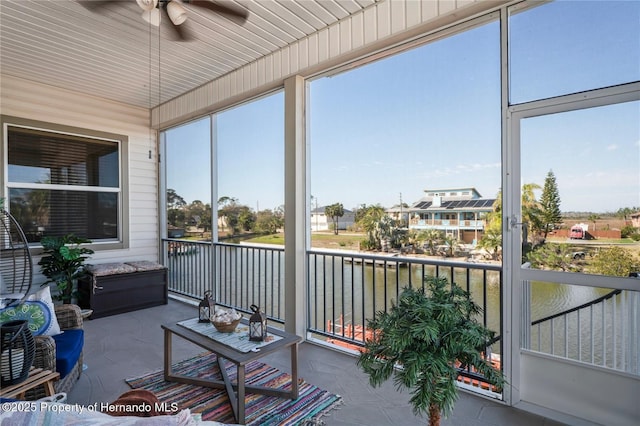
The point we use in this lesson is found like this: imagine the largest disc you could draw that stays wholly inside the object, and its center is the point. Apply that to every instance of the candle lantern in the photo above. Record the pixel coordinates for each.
(206, 308)
(18, 351)
(257, 325)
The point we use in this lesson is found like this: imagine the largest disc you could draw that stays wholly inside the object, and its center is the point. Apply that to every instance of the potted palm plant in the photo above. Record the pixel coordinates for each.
(62, 263)
(422, 340)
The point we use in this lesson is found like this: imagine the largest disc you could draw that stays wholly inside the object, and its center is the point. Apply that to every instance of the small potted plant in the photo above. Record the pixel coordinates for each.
(422, 340)
(62, 263)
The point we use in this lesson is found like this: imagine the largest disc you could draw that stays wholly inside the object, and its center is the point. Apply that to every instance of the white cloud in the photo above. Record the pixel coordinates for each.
(458, 169)
(612, 147)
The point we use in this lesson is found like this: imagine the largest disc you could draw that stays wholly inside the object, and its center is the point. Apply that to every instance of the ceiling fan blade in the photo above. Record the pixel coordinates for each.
(179, 32)
(231, 11)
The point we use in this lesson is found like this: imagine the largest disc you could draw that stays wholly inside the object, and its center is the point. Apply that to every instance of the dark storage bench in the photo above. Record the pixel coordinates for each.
(114, 288)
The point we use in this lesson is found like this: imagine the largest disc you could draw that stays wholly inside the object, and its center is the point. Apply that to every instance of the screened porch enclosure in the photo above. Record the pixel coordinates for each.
(210, 157)
(316, 154)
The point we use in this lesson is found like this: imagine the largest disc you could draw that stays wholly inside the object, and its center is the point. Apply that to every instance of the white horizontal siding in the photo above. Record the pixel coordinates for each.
(29, 100)
(382, 25)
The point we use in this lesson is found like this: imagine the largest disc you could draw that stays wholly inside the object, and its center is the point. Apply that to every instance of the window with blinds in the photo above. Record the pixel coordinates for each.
(63, 183)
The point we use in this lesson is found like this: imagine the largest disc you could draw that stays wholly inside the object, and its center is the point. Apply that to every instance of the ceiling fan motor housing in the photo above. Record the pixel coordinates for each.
(147, 4)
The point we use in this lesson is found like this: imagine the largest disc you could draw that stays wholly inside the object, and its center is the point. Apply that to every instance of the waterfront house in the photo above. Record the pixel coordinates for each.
(399, 213)
(90, 99)
(320, 222)
(459, 212)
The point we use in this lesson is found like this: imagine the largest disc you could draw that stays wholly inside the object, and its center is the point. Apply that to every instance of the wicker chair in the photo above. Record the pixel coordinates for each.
(69, 318)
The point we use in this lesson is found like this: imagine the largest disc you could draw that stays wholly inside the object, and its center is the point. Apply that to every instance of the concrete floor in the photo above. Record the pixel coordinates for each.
(127, 345)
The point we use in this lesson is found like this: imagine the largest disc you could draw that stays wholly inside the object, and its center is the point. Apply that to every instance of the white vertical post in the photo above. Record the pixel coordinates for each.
(295, 201)
(634, 329)
(213, 141)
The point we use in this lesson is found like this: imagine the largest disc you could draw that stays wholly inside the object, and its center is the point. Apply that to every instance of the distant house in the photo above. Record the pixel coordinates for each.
(400, 213)
(460, 212)
(320, 221)
(635, 220)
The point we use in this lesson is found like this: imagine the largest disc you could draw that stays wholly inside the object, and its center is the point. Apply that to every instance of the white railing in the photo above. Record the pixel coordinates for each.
(603, 332)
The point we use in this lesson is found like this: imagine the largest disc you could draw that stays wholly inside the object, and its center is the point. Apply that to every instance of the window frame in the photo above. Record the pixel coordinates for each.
(122, 239)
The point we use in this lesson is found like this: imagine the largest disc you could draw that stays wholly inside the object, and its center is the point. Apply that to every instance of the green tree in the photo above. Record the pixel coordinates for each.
(206, 217)
(531, 217)
(268, 222)
(556, 257)
(491, 240)
(227, 212)
(531, 210)
(368, 219)
(624, 212)
(452, 244)
(629, 231)
(615, 261)
(430, 238)
(246, 218)
(384, 229)
(174, 200)
(176, 215)
(196, 213)
(421, 339)
(236, 216)
(550, 204)
(335, 212)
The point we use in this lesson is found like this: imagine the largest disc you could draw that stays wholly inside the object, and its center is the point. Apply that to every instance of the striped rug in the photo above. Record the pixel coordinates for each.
(213, 404)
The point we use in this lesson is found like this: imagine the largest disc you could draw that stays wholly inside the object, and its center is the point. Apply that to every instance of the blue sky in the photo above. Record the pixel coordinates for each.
(430, 119)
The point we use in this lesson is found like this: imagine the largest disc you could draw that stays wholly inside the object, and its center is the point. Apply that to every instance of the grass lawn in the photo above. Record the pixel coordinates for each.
(318, 240)
(268, 239)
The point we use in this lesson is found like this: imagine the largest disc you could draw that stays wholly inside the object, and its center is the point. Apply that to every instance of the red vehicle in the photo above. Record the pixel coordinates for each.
(579, 231)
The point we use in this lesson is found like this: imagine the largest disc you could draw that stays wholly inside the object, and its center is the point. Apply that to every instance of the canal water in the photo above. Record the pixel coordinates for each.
(343, 291)
(381, 287)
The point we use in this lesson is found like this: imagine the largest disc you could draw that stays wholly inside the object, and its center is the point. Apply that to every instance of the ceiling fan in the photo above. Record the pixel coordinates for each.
(175, 10)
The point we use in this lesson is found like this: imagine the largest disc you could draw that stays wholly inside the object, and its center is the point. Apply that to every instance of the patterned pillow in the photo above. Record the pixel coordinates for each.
(38, 310)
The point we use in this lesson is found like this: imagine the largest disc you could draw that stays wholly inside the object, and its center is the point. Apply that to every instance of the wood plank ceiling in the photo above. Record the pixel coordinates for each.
(114, 54)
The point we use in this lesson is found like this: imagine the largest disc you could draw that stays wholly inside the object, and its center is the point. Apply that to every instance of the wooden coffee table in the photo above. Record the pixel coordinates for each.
(235, 391)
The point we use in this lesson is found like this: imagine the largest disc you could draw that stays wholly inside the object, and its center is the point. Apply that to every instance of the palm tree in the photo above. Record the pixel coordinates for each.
(431, 238)
(421, 340)
(492, 242)
(334, 211)
(452, 244)
(531, 210)
(368, 218)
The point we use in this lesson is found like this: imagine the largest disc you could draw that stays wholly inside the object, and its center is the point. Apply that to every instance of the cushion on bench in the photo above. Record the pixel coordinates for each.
(145, 265)
(68, 348)
(104, 269)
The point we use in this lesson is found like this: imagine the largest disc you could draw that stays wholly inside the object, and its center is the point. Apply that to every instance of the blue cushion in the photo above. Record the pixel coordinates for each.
(68, 349)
